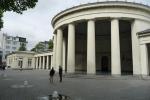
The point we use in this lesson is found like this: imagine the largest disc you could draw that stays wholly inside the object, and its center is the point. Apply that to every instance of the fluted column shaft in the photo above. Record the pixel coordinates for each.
(71, 49)
(43, 67)
(115, 48)
(59, 48)
(144, 59)
(40, 65)
(91, 67)
(47, 62)
(54, 50)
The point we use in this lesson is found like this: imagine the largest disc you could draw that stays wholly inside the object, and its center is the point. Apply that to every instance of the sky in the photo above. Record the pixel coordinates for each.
(35, 24)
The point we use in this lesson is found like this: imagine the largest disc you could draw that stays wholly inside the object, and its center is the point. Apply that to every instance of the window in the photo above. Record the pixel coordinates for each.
(29, 62)
(8, 37)
(7, 47)
(7, 52)
(14, 38)
(10, 60)
(8, 42)
(14, 43)
(14, 48)
(20, 62)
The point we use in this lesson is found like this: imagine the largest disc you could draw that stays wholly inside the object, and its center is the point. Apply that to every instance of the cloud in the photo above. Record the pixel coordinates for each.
(35, 24)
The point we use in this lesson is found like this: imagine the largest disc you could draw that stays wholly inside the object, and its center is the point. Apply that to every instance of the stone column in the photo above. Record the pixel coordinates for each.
(51, 61)
(54, 50)
(64, 54)
(25, 62)
(91, 66)
(136, 27)
(144, 60)
(36, 63)
(59, 48)
(43, 62)
(33, 62)
(47, 62)
(40, 63)
(115, 48)
(71, 49)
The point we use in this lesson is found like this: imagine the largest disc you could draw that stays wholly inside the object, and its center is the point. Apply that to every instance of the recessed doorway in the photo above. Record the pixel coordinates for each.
(104, 63)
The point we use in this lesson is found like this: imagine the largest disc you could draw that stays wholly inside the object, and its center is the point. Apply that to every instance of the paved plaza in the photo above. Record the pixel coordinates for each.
(34, 84)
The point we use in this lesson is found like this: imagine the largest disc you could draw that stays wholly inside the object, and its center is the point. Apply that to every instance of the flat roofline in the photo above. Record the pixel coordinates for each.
(144, 32)
(21, 52)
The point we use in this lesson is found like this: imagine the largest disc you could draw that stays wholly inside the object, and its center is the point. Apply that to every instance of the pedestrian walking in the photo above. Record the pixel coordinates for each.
(60, 73)
(51, 73)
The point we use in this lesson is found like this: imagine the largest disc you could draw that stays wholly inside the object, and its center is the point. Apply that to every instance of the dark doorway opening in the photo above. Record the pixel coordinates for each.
(103, 46)
(104, 63)
(20, 63)
(125, 47)
(81, 47)
(0, 60)
(148, 51)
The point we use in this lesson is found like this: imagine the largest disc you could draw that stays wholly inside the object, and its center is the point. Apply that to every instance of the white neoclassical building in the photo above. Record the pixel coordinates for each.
(44, 60)
(30, 60)
(21, 60)
(109, 36)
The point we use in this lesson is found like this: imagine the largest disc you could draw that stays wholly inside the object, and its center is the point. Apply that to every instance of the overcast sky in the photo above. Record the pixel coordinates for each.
(35, 24)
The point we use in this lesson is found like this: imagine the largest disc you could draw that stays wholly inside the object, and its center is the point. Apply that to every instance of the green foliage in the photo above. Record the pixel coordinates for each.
(17, 6)
(42, 46)
(33, 49)
(1, 21)
(22, 47)
(38, 48)
(50, 44)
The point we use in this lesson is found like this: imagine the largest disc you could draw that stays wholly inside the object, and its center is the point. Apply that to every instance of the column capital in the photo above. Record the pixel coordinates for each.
(115, 18)
(72, 23)
(59, 29)
(91, 20)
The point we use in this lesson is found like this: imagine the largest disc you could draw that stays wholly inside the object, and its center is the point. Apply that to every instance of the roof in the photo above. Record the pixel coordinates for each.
(99, 4)
(22, 52)
(144, 32)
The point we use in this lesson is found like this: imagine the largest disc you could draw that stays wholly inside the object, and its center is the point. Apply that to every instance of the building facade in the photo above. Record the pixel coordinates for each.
(29, 60)
(10, 44)
(102, 37)
(1, 56)
(21, 60)
(44, 60)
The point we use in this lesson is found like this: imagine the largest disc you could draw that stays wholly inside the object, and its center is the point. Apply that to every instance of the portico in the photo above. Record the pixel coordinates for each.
(144, 38)
(102, 42)
(43, 60)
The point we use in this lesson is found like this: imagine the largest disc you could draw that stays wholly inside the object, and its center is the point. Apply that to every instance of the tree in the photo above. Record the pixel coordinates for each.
(17, 6)
(1, 22)
(22, 47)
(38, 47)
(50, 44)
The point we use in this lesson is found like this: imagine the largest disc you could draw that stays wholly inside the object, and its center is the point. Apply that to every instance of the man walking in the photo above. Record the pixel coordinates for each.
(60, 73)
(52, 72)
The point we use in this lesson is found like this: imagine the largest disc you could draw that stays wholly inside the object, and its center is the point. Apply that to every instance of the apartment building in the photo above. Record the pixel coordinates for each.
(9, 44)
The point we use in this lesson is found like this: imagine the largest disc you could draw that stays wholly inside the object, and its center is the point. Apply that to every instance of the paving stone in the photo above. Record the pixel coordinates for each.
(75, 86)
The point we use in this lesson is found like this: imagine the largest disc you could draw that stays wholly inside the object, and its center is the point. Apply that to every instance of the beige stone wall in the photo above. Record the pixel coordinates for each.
(13, 60)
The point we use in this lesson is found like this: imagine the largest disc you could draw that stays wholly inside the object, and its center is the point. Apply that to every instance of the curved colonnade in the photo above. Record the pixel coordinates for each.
(100, 37)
